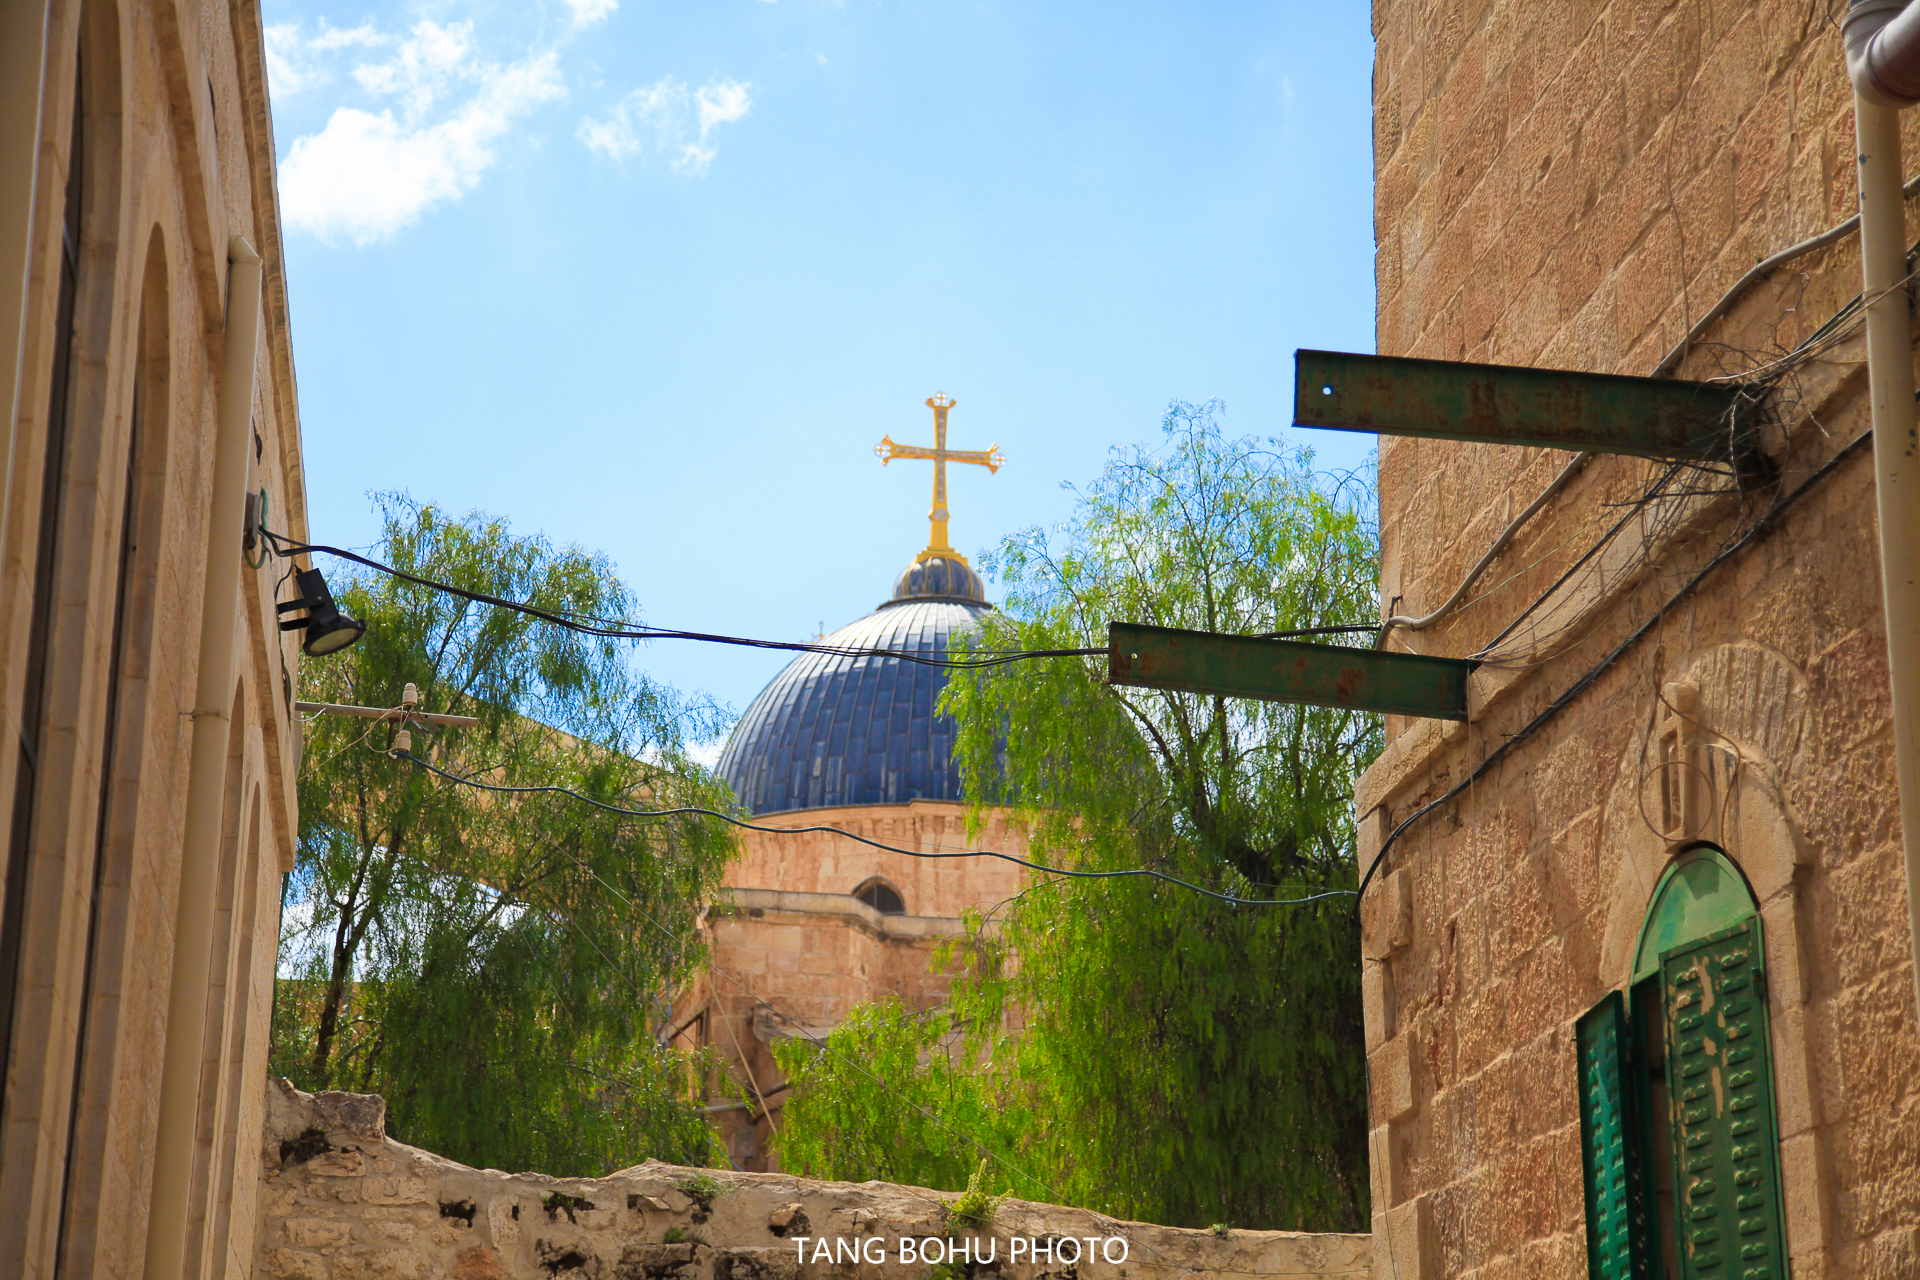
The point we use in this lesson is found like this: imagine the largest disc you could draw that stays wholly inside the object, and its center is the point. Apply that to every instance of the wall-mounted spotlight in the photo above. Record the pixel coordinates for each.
(328, 630)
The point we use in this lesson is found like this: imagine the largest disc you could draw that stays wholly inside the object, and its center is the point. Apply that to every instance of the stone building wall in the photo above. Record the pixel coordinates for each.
(820, 862)
(175, 157)
(341, 1201)
(792, 950)
(1571, 185)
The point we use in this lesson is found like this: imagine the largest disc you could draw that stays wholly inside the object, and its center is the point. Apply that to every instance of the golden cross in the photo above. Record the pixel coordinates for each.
(940, 455)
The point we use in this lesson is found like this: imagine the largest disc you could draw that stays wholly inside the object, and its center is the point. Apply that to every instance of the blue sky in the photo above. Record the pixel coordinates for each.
(655, 278)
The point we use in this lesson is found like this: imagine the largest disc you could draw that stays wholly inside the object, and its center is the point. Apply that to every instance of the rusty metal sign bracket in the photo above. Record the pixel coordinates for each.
(1510, 404)
(1320, 675)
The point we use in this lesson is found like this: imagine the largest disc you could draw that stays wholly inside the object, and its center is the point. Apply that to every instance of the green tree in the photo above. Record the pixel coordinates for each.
(498, 967)
(895, 1095)
(1183, 1060)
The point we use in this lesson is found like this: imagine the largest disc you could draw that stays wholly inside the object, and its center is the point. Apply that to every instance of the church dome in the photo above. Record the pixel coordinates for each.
(836, 730)
(939, 578)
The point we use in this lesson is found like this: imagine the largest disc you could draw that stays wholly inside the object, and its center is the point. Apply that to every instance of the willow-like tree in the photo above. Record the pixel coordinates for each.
(497, 966)
(1182, 1060)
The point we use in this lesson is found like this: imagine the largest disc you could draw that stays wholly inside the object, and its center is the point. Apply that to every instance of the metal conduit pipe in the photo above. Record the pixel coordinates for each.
(206, 777)
(1883, 60)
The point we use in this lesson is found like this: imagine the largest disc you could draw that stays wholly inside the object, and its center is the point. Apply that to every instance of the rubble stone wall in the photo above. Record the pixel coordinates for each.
(342, 1201)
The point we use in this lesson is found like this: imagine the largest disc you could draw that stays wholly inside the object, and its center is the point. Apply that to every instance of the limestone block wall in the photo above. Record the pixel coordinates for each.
(1570, 185)
(820, 862)
(340, 1200)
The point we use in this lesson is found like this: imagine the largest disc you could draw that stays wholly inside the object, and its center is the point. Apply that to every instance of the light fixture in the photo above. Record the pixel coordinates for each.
(328, 630)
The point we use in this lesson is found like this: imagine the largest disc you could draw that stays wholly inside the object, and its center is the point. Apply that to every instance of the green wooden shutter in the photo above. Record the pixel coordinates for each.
(1610, 1145)
(1720, 1092)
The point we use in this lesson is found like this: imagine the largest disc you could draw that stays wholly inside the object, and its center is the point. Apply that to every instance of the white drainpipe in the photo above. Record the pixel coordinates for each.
(1883, 61)
(206, 778)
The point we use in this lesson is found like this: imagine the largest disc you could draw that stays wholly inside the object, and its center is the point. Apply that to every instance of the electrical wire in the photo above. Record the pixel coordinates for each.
(889, 848)
(1593, 673)
(825, 1045)
(1665, 368)
(1422, 622)
(1835, 329)
(1486, 652)
(1314, 631)
(1760, 271)
(615, 630)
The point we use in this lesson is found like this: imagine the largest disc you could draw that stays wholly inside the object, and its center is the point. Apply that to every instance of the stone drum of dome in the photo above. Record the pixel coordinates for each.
(836, 730)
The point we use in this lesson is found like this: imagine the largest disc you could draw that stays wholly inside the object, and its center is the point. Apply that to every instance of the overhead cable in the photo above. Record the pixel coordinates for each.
(824, 1043)
(1665, 368)
(1421, 623)
(617, 630)
(1759, 272)
(1125, 873)
(614, 629)
(1552, 709)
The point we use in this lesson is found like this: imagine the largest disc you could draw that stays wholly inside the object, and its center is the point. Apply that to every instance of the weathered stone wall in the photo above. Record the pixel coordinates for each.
(1570, 185)
(340, 1201)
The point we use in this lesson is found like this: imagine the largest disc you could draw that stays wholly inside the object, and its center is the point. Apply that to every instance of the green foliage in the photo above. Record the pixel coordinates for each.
(497, 967)
(1181, 1060)
(893, 1095)
(975, 1207)
(702, 1190)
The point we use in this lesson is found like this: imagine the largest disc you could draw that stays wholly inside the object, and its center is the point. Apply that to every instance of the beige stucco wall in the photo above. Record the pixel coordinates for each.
(1570, 185)
(178, 157)
(342, 1200)
(792, 951)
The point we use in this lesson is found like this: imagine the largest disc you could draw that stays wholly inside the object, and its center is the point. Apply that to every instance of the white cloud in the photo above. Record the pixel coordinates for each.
(366, 35)
(423, 113)
(642, 119)
(365, 175)
(429, 63)
(286, 72)
(588, 12)
(666, 119)
(295, 63)
(722, 102)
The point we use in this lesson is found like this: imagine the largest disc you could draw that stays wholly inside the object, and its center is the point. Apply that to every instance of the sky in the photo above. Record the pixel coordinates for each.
(654, 278)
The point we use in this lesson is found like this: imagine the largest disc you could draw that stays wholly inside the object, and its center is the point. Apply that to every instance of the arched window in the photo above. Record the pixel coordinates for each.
(882, 897)
(1679, 1143)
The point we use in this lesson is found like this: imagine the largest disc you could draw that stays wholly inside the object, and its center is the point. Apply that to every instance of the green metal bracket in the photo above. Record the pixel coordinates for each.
(1319, 675)
(1508, 404)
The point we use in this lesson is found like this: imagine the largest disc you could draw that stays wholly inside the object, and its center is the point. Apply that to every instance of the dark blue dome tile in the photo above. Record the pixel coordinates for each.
(839, 730)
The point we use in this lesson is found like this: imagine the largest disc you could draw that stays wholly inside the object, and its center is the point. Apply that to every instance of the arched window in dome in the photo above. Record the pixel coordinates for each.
(882, 897)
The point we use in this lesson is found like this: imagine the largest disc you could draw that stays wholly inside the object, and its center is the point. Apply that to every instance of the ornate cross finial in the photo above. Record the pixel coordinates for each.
(940, 455)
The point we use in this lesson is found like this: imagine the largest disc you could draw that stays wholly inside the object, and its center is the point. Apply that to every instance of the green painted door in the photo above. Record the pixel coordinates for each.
(1610, 1145)
(1720, 1093)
